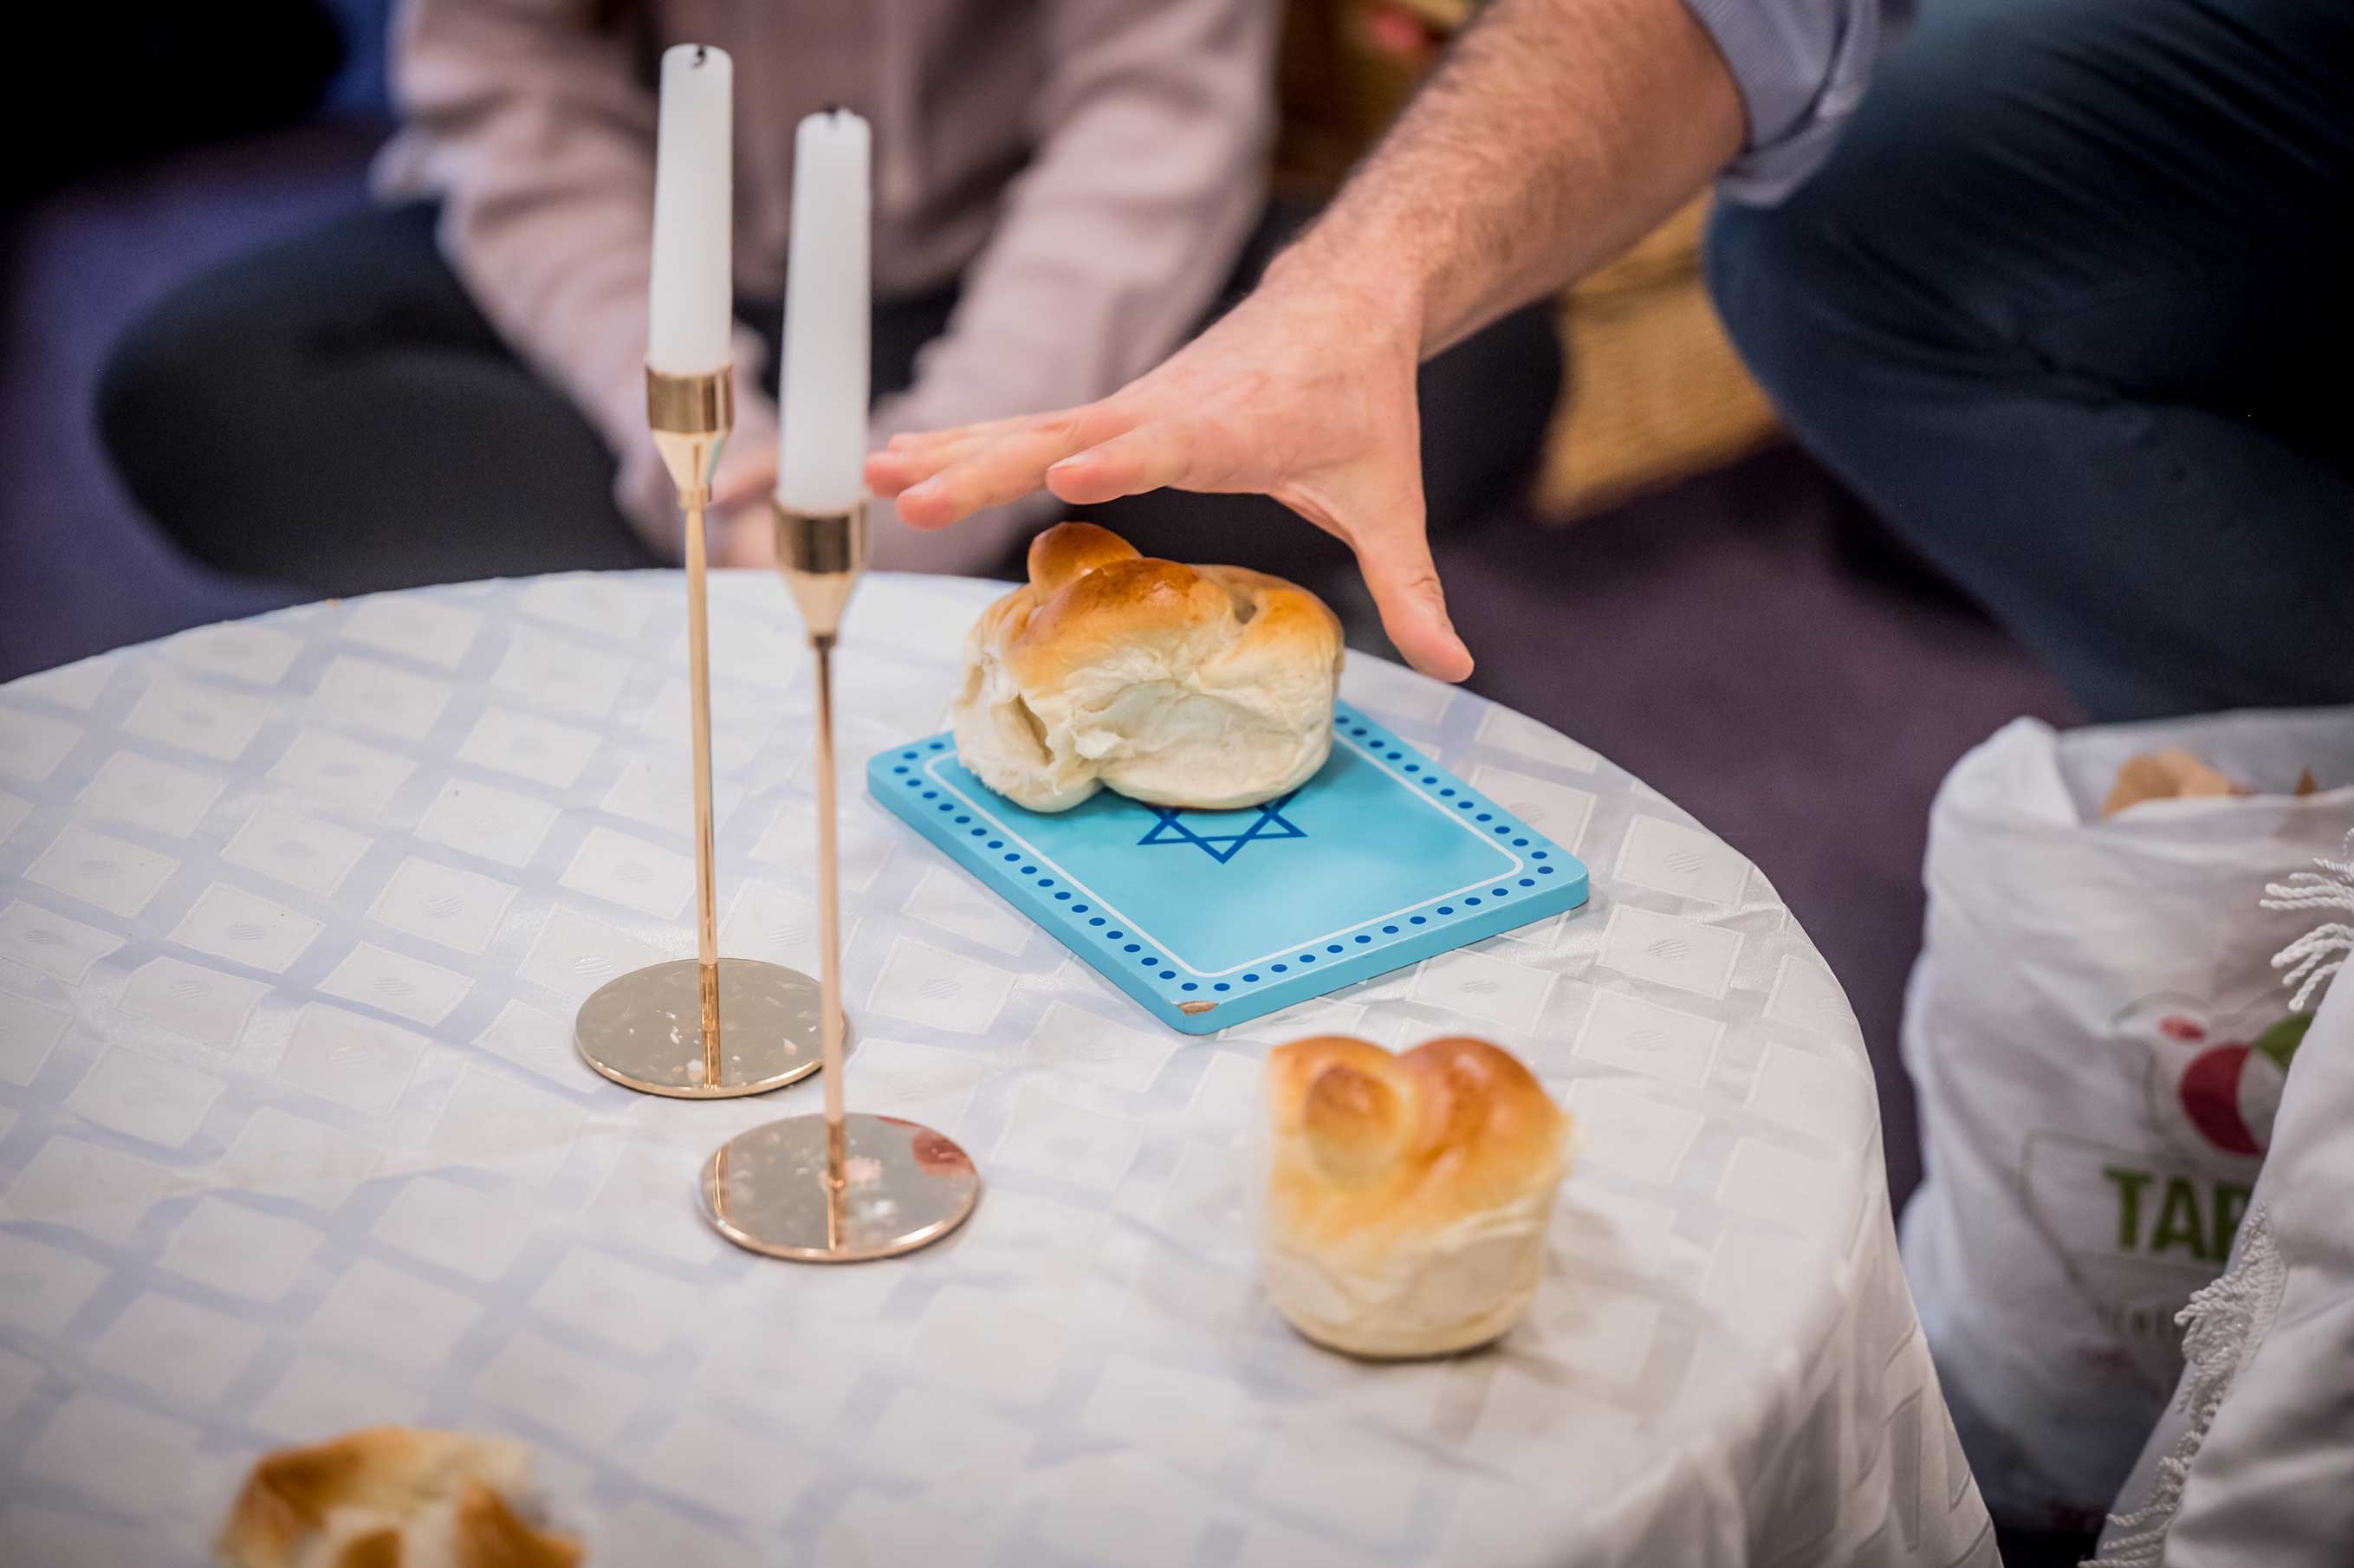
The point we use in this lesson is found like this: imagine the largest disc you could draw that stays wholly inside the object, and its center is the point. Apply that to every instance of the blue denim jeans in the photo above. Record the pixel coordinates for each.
(2071, 306)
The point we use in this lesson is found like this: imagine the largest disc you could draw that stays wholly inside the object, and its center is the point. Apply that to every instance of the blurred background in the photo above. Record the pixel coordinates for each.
(1679, 588)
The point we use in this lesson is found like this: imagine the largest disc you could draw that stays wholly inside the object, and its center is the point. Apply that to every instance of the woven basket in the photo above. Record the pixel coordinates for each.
(1654, 391)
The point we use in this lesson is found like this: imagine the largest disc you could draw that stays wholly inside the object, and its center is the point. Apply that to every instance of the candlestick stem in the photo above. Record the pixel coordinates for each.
(837, 1188)
(658, 1030)
(829, 909)
(707, 879)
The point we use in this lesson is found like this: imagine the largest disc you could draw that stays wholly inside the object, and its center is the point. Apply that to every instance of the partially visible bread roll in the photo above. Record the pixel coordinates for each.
(1408, 1195)
(2166, 776)
(1207, 687)
(390, 1497)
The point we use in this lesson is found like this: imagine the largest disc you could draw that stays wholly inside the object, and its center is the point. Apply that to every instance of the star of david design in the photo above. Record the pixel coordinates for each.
(1168, 826)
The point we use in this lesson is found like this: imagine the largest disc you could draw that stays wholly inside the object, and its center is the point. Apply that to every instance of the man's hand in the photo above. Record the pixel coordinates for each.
(1558, 133)
(1305, 392)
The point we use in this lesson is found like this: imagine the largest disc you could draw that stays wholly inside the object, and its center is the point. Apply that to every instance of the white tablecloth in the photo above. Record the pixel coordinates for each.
(295, 913)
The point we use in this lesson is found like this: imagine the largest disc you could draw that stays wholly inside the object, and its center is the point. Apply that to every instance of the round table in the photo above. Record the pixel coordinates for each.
(295, 913)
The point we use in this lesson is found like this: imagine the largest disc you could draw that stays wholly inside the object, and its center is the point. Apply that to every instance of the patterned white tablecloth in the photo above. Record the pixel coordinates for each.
(295, 913)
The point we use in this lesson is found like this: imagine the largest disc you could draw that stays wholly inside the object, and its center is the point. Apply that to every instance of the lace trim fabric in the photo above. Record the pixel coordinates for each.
(2325, 951)
(2223, 1326)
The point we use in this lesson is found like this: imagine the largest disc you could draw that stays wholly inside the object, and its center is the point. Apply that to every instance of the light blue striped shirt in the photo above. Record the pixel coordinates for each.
(1802, 67)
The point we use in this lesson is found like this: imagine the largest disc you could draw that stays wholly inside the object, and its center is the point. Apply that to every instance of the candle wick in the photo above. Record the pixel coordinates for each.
(701, 53)
(834, 109)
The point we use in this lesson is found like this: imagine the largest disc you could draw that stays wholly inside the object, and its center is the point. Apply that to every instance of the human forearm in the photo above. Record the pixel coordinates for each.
(1559, 134)
(1556, 134)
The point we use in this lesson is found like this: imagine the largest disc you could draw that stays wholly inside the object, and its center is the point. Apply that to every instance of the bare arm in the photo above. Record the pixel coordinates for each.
(1558, 131)
(1556, 134)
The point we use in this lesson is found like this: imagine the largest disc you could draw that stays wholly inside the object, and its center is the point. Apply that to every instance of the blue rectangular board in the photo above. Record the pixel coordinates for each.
(1212, 918)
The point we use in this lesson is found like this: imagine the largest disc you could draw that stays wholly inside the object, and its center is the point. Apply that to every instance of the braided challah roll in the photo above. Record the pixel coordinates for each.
(1206, 687)
(1408, 1195)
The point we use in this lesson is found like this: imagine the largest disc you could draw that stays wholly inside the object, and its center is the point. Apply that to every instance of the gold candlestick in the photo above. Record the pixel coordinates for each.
(836, 1187)
(658, 1030)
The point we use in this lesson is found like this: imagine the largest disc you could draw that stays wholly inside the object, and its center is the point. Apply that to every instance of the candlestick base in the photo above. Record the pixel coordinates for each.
(644, 1031)
(907, 1187)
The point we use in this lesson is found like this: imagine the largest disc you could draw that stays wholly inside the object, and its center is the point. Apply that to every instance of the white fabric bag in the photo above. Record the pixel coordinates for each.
(2098, 1041)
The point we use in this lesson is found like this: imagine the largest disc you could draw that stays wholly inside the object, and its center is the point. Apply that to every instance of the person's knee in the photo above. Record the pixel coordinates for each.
(224, 354)
(1872, 261)
(190, 391)
(1783, 294)
(1748, 269)
(170, 364)
(1968, 187)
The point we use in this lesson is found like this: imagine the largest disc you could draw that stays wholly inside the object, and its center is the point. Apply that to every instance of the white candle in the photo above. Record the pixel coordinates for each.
(690, 307)
(821, 404)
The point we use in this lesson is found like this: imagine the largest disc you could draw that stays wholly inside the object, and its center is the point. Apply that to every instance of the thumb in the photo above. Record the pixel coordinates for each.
(1393, 550)
(1405, 581)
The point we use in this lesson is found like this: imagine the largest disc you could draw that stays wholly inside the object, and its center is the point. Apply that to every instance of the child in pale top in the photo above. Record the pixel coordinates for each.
(1064, 191)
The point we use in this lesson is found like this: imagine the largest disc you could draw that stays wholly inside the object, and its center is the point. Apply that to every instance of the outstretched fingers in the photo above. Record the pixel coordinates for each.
(1153, 456)
(911, 462)
(940, 479)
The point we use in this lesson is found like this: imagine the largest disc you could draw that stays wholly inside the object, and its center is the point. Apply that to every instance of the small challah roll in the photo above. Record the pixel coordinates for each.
(392, 1496)
(1408, 1195)
(1207, 687)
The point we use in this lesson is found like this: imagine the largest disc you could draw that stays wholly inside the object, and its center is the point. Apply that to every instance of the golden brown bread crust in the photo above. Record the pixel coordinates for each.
(367, 1486)
(377, 1549)
(2164, 776)
(1115, 605)
(1209, 687)
(287, 1495)
(490, 1534)
(1068, 551)
(1373, 1149)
